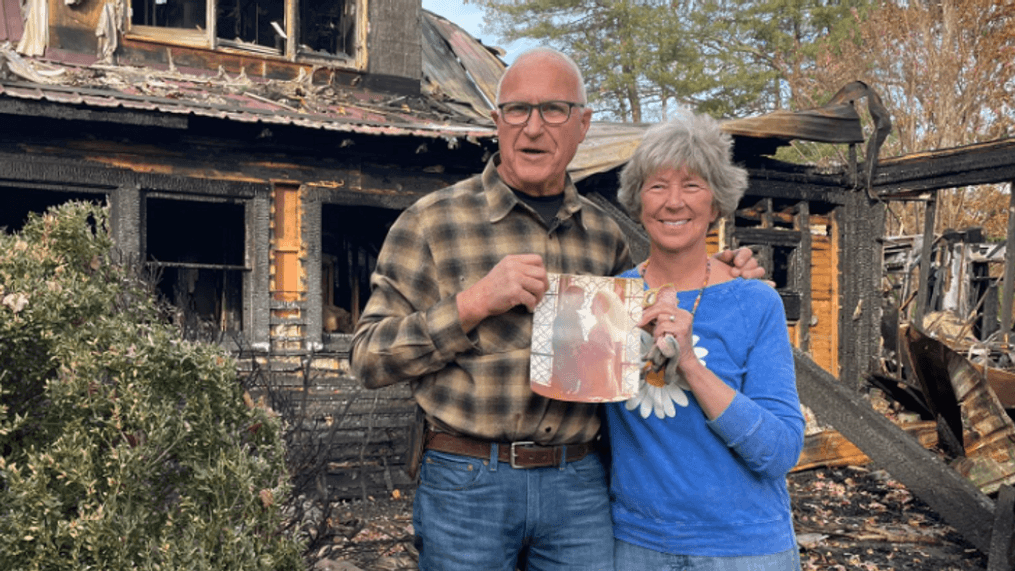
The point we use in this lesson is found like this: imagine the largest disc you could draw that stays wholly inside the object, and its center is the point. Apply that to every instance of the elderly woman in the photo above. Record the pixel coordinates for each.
(700, 483)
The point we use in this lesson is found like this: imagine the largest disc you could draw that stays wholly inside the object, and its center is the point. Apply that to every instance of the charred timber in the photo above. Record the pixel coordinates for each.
(953, 497)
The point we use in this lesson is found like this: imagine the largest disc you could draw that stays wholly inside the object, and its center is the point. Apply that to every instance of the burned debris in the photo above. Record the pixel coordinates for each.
(254, 155)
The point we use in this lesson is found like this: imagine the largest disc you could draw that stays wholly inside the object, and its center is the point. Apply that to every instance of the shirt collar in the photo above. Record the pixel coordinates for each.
(501, 200)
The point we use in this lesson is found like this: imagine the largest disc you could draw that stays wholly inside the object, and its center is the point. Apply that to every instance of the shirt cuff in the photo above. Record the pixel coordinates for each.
(446, 329)
(737, 422)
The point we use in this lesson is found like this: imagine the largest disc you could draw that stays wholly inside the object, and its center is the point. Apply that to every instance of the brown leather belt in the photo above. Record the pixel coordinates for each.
(517, 454)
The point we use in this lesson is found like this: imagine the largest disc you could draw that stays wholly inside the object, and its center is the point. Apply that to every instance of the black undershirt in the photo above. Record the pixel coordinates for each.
(546, 206)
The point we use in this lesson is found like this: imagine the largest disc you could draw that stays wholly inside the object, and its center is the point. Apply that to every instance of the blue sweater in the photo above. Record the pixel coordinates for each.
(684, 485)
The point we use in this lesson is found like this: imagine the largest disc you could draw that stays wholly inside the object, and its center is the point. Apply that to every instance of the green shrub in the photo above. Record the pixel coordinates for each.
(121, 445)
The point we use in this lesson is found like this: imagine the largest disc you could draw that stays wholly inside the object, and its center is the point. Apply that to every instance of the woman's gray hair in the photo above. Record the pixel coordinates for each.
(694, 141)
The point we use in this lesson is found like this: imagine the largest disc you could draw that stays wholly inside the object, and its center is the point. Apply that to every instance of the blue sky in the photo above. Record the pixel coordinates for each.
(470, 18)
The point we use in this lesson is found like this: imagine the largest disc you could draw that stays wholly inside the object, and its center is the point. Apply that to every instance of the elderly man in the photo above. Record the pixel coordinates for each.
(507, 475)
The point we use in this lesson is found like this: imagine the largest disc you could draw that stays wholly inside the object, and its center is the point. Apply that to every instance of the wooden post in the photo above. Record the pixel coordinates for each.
(999, 558)
(801, 280)
(930, 213)
(1008, 287)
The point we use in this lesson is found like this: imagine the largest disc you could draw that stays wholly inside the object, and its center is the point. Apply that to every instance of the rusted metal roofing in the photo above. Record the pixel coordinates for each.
(447, 51)
(460, 77)
(451, 106)
(608, 146)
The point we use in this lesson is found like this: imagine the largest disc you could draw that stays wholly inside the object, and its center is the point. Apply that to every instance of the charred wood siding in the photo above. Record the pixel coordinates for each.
(355, 437)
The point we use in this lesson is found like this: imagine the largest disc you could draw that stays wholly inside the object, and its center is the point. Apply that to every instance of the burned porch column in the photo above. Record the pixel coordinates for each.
(801, 263)
(125, 219)
(860, 278)
(311, 233)
(1008, 286)
(257, 295)
(930, 213)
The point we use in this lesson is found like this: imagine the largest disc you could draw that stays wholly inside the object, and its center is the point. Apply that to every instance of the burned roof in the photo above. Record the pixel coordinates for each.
(452, 103)
(610, 145)
(459, 78)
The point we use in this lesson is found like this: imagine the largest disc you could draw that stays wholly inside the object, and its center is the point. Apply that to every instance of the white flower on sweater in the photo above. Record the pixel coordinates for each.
(659, 391)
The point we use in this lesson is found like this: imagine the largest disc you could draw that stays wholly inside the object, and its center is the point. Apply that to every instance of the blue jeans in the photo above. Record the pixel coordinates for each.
(472, 514)
(635, 558)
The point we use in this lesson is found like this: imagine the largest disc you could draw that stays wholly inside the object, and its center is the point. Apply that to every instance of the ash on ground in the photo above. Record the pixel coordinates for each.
(852, 518)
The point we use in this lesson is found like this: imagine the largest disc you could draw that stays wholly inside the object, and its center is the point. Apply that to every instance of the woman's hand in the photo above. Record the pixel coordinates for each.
(664, 318)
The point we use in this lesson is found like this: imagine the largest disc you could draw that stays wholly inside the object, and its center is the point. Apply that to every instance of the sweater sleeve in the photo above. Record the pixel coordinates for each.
(764, 424)
(406, 330)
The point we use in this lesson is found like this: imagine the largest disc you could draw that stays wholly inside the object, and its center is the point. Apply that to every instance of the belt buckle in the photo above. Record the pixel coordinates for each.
(514, 452)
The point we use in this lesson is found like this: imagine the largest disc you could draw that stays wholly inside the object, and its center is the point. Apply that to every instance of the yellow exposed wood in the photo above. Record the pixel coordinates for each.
(286, 243)
(824, 331)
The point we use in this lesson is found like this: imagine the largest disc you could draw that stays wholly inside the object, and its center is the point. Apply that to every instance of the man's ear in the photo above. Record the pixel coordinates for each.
(586, 120)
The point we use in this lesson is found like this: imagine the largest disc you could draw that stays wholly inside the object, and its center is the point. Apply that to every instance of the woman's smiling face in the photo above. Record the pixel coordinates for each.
(677, 208)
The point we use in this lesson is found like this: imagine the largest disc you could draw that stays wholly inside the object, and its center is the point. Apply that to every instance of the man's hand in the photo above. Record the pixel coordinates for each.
(515, 280)
(743, 263)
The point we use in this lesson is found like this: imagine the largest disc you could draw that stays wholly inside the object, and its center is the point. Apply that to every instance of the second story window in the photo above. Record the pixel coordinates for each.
(185, 14)
(326, 26)
(329, 29)
(251, 23)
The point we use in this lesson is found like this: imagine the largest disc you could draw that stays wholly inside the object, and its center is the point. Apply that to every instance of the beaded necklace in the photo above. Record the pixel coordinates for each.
(652, 295)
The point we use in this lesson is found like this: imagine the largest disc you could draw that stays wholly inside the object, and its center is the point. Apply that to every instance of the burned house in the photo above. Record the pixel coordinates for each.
(237, 141)
(255, 153)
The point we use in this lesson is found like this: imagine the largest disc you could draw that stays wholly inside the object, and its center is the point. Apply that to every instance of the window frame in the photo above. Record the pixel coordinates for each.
(245, 268)
(208, 38)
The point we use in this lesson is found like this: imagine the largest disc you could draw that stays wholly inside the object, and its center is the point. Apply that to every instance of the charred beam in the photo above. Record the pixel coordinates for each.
(813, 188)
(637, 239)
(929, 216)
(1000, 556)
(67, 112)
(768, 236)
(1008, 287)
(983, 163)
(953, 497)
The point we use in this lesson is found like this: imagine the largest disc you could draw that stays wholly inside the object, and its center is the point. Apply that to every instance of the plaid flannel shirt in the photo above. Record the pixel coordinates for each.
(477, 384)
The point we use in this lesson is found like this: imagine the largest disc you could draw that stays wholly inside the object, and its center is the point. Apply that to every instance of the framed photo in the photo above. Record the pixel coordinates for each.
(585, 341)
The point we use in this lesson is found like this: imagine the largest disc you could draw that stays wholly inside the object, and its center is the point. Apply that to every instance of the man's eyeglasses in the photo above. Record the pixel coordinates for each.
(552, 112)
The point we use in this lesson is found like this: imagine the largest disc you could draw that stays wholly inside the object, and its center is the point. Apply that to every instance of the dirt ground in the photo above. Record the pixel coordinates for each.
(846, 519)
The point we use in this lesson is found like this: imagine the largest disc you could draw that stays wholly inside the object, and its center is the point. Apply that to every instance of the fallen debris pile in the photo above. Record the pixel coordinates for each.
(847, 519)
(854, 518)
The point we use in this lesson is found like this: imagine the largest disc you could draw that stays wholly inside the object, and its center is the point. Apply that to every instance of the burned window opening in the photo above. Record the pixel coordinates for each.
(257, 22)
(772, 228)
(351, 239)
(20, 202)
(183, 14)
(198, 250)
(328, 27)
(324, 28)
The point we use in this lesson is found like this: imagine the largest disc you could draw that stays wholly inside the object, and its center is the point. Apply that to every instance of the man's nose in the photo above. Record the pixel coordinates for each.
(534, 125)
